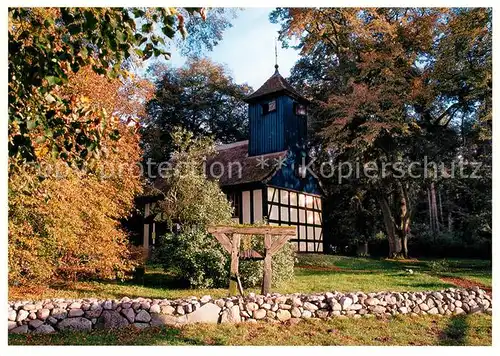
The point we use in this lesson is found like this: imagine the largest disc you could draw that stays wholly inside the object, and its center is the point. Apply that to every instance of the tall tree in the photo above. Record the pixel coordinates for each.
(392, 86)
(200, 97)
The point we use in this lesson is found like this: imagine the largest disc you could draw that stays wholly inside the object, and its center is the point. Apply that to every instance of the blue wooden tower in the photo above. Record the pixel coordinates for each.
(277, 116)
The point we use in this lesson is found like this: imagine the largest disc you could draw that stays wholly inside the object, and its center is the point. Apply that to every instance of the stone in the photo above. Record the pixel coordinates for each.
(266, 306)
(372, 301)
(23, 329)
(310, 306)
(145, 305)
(458, 303)
(296, 302)
(141, 325)
(35, 323)
(167, 310)
(345, 302)
(22, 314)
(250, 307)
(111, 319)
(285, 306)
(306, 314)
(335, 313)
(11, 324)
(251, 321)
(143, 317)
(295, 312)
(403, 310)
(32, 315)
(283, 315)
(12, 315)
(229, 304)
(75, 305)
(424, 307)
(270, 314)
(75, 312)
(259, 314)
(94, 312)
(129, 314)
(107, 305)
(377, 309)
(205, 299)
(75, 324)
(155, 308)
(336, 306)
(43, 314)
(162, 319)
(220, 303)
(433, 311)
(231, 315)
(51, 320)
(208, 313)
(180, 310)
(29, 307)
(355, 307)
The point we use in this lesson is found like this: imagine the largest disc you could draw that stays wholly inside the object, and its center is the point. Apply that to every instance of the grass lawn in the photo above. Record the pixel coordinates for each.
(313, 273)
(422, 330)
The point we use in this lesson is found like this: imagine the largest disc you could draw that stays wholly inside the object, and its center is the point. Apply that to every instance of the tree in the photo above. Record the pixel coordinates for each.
(390, 89)
(200, 97)
(190, 198)
(47, 44)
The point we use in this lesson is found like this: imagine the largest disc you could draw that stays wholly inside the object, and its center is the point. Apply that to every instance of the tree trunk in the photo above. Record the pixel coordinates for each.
(431, 220)
(404, 228)
(434, 206)
(394, 241)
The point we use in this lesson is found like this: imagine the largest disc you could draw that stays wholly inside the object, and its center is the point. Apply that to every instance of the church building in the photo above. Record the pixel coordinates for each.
(264, 177)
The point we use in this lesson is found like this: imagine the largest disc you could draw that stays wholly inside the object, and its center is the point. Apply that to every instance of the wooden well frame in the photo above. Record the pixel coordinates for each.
(229, 237)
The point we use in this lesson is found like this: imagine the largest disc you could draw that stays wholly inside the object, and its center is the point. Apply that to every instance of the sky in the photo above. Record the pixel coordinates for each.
(247, 49)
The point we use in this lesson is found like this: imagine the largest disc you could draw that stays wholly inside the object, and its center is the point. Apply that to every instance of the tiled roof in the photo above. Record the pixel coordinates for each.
(275, 84)
(225, 165)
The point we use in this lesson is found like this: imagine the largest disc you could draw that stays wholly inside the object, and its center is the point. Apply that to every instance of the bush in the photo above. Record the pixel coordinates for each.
(282, 264)
(199, 260)
(195, 257)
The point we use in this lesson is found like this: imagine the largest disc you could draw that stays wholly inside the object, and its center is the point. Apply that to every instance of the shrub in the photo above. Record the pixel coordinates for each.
(199, 260)
(195, 257)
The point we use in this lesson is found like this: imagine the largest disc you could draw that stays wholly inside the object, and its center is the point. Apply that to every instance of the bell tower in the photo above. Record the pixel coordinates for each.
(277, 117)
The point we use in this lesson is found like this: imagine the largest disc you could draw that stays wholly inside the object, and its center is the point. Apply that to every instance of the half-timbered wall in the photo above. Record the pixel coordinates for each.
(292, 208)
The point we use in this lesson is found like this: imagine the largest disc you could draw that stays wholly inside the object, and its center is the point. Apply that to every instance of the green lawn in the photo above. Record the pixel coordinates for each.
(320, 273)
(457, 330)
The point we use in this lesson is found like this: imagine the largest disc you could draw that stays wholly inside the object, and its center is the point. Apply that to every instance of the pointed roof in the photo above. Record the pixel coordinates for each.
(275, 84)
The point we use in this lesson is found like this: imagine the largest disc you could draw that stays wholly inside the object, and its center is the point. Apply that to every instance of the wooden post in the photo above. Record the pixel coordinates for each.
(267, 277)
(233, 274)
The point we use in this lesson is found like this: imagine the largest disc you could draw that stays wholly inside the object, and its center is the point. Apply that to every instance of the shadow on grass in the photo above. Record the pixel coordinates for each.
(125, 336)
(455, 333)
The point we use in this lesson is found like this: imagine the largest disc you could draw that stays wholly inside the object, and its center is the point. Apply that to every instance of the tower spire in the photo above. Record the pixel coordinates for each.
(275, 55)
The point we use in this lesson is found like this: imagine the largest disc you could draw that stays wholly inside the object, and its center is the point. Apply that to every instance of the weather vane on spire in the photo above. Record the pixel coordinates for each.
(276, 54)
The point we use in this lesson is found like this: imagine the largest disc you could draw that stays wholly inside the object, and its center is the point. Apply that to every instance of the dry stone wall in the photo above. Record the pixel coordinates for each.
(52, 315)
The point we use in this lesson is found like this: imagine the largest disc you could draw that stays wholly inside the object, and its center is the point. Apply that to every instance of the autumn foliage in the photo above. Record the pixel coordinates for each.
(64, 221)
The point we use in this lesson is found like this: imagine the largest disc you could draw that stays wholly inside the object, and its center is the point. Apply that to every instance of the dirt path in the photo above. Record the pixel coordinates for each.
(465, 283)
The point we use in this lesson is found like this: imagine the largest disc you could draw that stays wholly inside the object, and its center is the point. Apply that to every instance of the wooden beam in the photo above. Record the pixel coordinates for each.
(277, 244)
(224, 241)
(246, 230)
(235, 252)
(267, 277)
